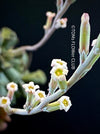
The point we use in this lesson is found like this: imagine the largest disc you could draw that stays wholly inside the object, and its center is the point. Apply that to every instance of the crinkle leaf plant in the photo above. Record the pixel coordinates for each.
(17, 80)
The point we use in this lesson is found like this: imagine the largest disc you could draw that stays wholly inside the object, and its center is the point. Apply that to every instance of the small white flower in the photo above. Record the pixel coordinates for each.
(58, 72)
(65, 103)
(40, 95)
(12, 86)
(61, 23)
(4, 101)
(30, 87)
(56, 62)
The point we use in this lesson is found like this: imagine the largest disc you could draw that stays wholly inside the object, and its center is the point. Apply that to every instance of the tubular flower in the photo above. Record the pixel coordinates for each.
(56, 62)
(58, 72)
(12, 86)
(30, 87)
(4, 102)
(53, 85)
(61, 23)
(65, 103)
(40, 95)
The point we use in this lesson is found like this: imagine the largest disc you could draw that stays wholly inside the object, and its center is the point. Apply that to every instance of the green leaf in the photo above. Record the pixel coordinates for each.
(3, 79)
(37, 76)
(13, 74)
(3, 91)
(8, 38)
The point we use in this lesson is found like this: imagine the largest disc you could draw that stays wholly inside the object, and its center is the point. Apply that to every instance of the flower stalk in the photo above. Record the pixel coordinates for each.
(36, 99)
(50, 32)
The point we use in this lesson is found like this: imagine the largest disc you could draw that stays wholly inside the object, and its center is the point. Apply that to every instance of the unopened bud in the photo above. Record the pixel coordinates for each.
(84, 34)
(63, 85)
(52, 86)
(50, 17)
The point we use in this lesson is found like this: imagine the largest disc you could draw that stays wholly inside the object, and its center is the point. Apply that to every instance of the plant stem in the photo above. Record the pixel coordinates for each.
(49, 33)
(74, 78)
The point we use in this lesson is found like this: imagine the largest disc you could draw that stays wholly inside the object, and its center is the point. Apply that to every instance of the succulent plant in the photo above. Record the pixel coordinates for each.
(14, 66)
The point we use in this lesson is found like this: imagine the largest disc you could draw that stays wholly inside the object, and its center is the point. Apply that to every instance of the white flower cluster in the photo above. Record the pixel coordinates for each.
(5, 101)
(12, 88)
(35, 96)
(58, 75)
(58, 78)
(32, 89)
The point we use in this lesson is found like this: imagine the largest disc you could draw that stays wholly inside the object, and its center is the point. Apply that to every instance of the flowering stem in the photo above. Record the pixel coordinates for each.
(63, 10)
(40, 106)
(74, 78)
(49, 33)
(37, 45)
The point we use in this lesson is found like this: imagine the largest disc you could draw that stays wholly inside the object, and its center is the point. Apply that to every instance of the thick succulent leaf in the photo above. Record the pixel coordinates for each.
(37, 76)
(13, 74)
(3, 91)
(8, 38)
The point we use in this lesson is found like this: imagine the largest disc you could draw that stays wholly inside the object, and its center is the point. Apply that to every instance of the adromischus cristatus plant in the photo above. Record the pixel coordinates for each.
(36, 99)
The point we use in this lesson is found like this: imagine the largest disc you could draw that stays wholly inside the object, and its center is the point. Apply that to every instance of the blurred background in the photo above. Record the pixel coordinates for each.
(26, 18)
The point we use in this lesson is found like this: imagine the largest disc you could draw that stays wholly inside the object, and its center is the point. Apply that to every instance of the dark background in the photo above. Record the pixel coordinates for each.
(27, 17)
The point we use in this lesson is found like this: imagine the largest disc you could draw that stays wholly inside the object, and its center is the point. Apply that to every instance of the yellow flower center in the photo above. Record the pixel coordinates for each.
(4, 101)
(12, 86)
(59, 62)
(61, 22)
(30, 87)
(59, 72)
(65, 102)
(41, 95)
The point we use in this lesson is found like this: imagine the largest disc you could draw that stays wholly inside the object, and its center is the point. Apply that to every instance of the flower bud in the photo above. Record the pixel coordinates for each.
(50, 17)
(53, 85)
(84, 34)
(62, 84)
